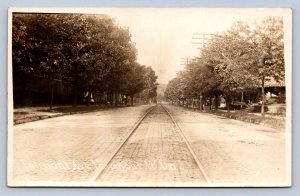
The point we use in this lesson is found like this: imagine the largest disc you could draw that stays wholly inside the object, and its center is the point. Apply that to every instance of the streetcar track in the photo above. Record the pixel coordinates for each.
(99, 173)
(200, 166)
(137, 124)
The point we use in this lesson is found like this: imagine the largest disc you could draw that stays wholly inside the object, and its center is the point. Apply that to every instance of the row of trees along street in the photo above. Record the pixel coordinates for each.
(59, 57)
(233, 64)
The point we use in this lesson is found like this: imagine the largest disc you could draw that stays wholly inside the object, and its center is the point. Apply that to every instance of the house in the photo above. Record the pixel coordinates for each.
(275, 89)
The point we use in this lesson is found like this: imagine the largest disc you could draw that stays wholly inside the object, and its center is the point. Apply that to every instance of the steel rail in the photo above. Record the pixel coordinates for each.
(98, 173)
(200, 166)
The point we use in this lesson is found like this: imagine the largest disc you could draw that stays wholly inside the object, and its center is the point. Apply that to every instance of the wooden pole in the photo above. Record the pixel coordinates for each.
(263, 96)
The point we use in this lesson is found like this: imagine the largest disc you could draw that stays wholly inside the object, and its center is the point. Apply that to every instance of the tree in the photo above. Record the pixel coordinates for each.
(88, 52)
(237, 60)
(36, 50)
(173, 92)
(267, 39)
(135, 82)
(149, 94)
(231, 56)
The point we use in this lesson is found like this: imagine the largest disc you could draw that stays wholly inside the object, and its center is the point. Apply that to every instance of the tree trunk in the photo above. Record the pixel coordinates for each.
(50, 90)
(228, 103)
(216, 102)
(75, 85)
(108, 97)
(88, 99)
(210, 102)
(51, 102)
(121, 99)
(131, 100)
(263, 96)
(75, 94)
(242, 99)
(113, 98)
(116, 94)
(200, 102)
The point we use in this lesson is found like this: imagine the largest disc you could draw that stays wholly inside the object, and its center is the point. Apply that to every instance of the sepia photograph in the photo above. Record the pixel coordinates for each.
(149, 97)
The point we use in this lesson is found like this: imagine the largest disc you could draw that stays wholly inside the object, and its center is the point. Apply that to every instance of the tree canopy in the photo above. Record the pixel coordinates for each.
(85, 52)
(237, 59)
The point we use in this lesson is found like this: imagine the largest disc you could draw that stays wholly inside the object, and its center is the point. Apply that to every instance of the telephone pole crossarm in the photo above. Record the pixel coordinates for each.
(201, 38)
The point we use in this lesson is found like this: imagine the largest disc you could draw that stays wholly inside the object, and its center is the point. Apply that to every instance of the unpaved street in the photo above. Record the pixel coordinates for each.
(84, 148)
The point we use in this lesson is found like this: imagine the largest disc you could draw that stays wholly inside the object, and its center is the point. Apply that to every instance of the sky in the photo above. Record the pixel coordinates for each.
(163, 36)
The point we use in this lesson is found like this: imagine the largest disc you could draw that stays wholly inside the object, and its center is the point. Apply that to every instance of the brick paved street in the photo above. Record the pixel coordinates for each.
(154, 153)
(77, 149)
(69, 148)
(233, 152)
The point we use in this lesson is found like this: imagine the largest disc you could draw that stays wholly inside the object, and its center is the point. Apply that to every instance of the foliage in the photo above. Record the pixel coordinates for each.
(87, 52)
(234, 61)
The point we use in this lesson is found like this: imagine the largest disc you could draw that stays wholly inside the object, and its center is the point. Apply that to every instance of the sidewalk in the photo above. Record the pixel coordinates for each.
(28, 114)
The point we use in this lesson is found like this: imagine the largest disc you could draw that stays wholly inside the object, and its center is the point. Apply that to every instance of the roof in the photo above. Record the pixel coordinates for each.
(271, 82)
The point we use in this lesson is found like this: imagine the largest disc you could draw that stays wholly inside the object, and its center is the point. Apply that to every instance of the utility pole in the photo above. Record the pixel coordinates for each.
(201, 38)
(185, 61)
(198, 38)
